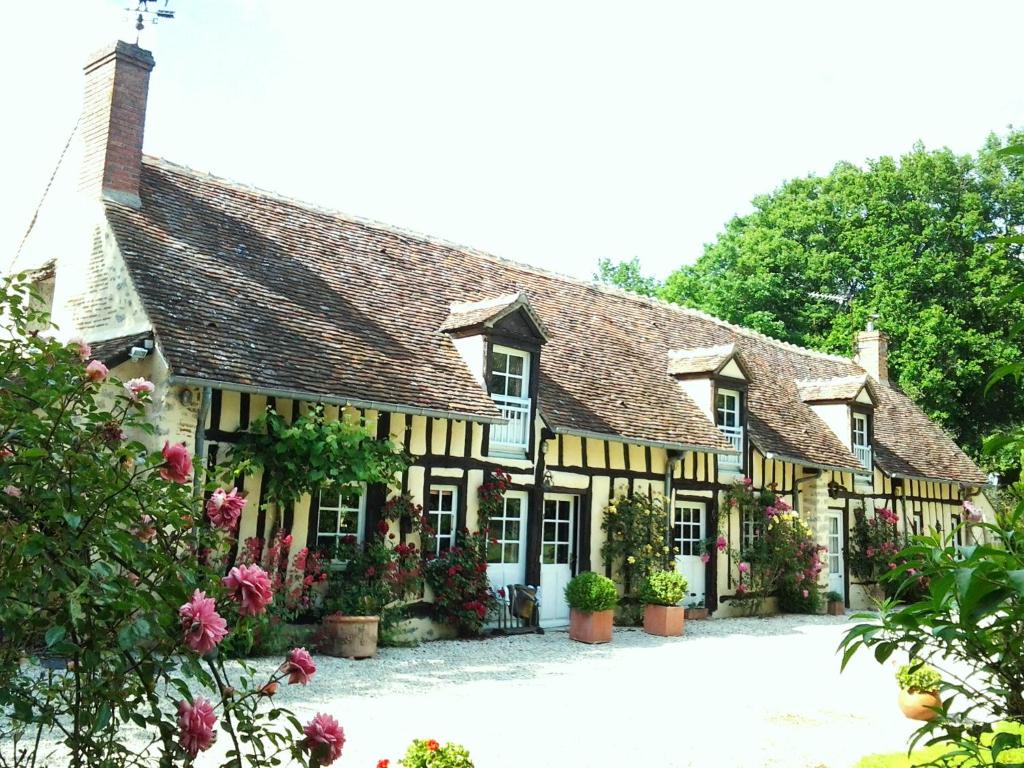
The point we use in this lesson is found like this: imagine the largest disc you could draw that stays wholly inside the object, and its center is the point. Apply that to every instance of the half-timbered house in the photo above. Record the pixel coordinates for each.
(232, 299)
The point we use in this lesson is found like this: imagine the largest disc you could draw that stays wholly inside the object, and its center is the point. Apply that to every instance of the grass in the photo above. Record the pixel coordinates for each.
(929, 755)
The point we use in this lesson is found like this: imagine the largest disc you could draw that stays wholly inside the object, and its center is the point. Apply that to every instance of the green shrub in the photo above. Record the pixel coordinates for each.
(918, 676)
(663, 588)
(834, 597)
(591, 592)
(427, 753)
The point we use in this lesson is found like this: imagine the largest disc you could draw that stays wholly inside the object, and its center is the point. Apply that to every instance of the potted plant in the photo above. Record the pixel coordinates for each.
(661, 593)
(592, 599)
(836, 604)
(357, 593)
(696, 612)
(919, 690)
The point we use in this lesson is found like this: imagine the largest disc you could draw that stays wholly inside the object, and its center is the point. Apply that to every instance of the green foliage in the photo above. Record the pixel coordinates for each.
(908, 239)
(943, 754)
(312, 452)
(918, 677)
(98, 552)
(636, 528)
(833, 597)
(427, 753)
(663, 588)
(874, 542)
(627, 276)
(458, 577)
(591, 592)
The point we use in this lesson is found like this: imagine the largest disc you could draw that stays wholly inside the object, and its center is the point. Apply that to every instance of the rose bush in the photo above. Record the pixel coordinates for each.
(102, 577)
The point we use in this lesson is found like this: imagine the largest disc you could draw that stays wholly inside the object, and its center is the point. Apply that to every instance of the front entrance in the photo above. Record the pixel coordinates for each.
(689, 520)
(506, 556)
(836, 565)
(557, 557)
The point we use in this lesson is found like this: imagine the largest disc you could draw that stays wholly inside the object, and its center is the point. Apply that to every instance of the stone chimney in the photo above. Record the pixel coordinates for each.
(873, 353)
(113, 119)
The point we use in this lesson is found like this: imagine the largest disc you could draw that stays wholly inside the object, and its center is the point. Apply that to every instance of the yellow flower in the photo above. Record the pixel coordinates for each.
(631, 560)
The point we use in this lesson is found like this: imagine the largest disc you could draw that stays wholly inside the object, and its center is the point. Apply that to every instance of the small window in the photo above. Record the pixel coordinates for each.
(507, 530)
(958, 532)
(687, 530)
(442, 506)
(510, 372)
(728, 406)
(917, 524)
(342, 512)
(860, 430)
(750, 530)
(730, 421)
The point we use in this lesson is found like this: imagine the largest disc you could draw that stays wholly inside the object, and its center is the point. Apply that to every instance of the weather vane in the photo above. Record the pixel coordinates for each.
(152, 16)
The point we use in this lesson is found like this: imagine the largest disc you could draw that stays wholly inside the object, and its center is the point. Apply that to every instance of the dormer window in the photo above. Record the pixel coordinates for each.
(509, 387)
(861, 439)
(728, 403)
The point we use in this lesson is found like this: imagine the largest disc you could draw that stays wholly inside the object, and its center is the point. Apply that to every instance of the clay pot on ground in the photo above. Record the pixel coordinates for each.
(696, 614)
(836, 608)
(664, 620)
(593, 627)
(920, 705)
(351, 637)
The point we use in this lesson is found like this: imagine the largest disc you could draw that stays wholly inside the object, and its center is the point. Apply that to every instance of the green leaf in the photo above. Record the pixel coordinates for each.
(1017, 580)
(54, 635)
(72, 519)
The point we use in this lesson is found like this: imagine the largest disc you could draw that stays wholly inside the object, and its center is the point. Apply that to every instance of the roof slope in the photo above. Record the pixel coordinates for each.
(253, 289)
(843, 388)
(704, 360)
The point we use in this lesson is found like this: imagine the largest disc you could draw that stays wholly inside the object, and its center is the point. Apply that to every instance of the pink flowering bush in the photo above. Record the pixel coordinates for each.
(102, 577)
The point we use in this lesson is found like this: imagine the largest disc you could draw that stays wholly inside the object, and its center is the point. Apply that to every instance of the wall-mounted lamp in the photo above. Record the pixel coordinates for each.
(548, 480)
(185, 397)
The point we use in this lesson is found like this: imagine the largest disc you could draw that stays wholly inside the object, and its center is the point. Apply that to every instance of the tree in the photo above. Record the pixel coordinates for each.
(909, 240)
(627, 276)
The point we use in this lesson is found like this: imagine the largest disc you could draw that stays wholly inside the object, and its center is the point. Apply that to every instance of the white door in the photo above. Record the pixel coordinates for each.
(836, 567)
(688, 523)
(556, 557)
(506, 557)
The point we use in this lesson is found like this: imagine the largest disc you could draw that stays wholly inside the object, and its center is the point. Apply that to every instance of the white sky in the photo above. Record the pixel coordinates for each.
(549, 132)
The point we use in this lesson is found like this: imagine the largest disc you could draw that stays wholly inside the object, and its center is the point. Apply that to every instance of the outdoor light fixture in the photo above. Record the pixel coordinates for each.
(185, 397)
(548, 480)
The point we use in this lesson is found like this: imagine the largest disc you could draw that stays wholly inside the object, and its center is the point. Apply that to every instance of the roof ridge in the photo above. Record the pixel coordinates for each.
(403, 232)
(827, 379)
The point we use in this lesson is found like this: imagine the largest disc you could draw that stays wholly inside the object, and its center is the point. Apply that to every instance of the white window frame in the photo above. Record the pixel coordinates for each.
(687, 546)
(447, 540)
(733, 433)
(514, 437)
(337, 509)
(499, 533)
(861, 438)
(749, 529)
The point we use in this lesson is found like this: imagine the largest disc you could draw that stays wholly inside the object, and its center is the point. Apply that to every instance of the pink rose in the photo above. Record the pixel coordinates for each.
(806, 594)
(195, 725)
(741, 589)
(721, 543)
(972, 512)
(747, 482)
(5, 452)
(224, 509)
(81, 348)
(138, 387)
(144, 530)
(249, 585)
(324, 739)
(202, 627)
(299, 666)
(13, 491)
(178, 464)
(705, 557)
(744, 567)
(96, 371)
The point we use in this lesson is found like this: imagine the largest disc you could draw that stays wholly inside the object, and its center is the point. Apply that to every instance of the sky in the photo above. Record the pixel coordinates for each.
(555, 133)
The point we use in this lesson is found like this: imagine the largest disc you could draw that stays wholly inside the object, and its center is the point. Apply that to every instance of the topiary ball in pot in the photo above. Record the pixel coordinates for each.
(592, 598)
(662, 592)
(919, 691)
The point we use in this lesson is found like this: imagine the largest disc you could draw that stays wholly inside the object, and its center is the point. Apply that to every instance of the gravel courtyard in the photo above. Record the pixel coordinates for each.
(732, 692)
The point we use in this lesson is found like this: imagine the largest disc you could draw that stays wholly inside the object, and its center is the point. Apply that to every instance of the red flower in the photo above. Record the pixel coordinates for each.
(249, 585)
(324, 739)
(433, 746)
(383, 763)
(371, 571)
(452, 571)
(382, 527)
(195, 725)
(177, 463)
(481, 567)
(299, 666)
(201, 625)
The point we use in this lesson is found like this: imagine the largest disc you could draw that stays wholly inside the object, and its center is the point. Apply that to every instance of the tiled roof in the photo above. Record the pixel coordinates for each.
(249, 288)
(703, 360)
(838, 388)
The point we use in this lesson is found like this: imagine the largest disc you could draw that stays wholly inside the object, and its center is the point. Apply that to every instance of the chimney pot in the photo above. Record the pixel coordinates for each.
(113, 121)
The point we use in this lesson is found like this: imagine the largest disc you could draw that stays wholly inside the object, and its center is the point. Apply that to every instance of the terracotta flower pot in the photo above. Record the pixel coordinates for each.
(836, 608)
(352, 637)
(591, 627)
(664, 620)
(920, 705)
(695, 614)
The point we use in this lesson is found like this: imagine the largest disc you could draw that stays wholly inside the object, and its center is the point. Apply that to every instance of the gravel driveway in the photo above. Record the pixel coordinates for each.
(732, 692)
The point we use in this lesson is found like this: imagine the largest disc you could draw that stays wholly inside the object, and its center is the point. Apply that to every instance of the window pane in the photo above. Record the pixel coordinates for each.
(494, 553)
(515, 365)
(563, 554)
(511, 553)
(514, 387)
(548, 554)
(328, 521)
(499, 362)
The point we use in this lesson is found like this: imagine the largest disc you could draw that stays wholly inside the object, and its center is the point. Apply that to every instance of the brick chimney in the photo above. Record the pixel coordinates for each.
(113, 119)
(873, 353)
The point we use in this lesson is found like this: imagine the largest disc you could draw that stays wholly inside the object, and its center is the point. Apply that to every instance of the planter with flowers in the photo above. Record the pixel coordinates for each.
(592, 599)
(697, 612)
(661, 594)
(919, 691)
(836, 604)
